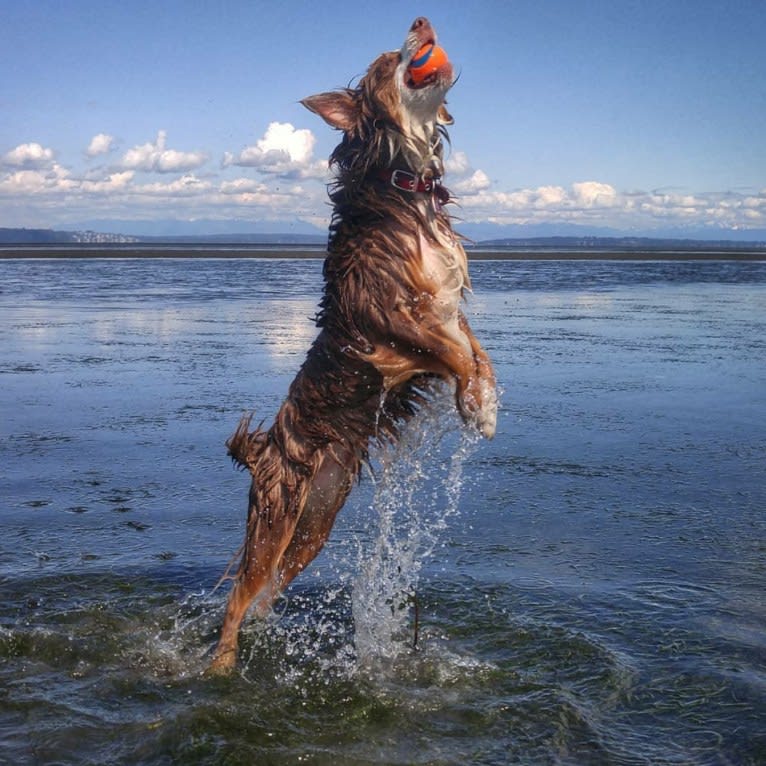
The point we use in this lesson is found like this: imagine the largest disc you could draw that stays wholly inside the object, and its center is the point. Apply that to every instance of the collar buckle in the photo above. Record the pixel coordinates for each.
(409, 182)
(404, 180)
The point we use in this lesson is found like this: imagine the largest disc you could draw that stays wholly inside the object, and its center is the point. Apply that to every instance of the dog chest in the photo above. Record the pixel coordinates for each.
(444, 266)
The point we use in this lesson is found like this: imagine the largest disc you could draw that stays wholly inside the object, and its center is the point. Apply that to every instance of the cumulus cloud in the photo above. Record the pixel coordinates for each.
(457, 164)
(54, 196)
(242, 186)
(597, 203)
(600, 204)
(548, 196)
(594, 194)
(36, 185)
(185, 186)
(99, 144)
(462, 178)
(159, 159)
(53, 180)
(284, 151)
(29, 156)
(115, 182)
(476, 182)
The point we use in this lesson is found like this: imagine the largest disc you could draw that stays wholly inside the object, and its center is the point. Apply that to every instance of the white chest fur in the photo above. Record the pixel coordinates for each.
(446, 267)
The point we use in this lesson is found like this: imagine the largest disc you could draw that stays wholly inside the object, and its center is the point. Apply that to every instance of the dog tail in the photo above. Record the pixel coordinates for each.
(243, 445)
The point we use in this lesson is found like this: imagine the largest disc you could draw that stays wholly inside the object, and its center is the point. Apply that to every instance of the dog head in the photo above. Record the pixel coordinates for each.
(389, 119)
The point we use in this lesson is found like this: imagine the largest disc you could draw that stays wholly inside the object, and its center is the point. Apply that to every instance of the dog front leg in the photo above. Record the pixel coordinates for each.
(482, 387)
(427, 344)
(446, 359)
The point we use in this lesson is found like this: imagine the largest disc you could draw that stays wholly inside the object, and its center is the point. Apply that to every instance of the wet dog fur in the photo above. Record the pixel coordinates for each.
(389, 320)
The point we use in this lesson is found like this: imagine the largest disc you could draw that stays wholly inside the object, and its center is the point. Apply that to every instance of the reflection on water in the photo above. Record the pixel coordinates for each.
(593, 594)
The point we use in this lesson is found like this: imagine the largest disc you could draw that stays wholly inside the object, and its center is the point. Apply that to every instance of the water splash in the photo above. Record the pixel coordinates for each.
(417, 490)
(361, 623)
(360, 627)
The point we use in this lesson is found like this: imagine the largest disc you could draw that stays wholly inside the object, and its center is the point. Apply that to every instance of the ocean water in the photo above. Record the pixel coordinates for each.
(587, 588)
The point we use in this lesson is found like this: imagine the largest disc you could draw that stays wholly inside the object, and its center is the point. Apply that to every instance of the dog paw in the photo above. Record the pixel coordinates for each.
(487, 415)
(223, 663)
(478, 406)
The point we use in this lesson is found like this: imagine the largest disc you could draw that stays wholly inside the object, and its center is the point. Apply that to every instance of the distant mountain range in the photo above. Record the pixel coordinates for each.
(626, 244)
(29, 237)
(88, 237)
(51, 237)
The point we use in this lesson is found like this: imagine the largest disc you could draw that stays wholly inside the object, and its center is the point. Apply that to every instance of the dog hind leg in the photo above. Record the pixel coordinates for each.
(328, 493)
(277, 553)
(258, 580)
(225, 656)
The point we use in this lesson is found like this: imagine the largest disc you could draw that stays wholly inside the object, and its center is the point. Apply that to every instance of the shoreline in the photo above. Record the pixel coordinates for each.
(217, 252)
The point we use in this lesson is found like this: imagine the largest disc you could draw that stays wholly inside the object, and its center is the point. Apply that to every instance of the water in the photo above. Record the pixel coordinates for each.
(587, 588)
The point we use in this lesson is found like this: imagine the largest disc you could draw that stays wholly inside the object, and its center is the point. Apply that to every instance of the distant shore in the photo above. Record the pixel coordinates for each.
(11, 252)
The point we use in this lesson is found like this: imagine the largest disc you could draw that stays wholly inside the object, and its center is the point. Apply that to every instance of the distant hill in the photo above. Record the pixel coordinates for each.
(31, 237)
(237, 239)
(626, 244)
(52, 237)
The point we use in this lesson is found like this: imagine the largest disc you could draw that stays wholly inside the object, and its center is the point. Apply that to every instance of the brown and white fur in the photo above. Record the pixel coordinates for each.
(390, 324)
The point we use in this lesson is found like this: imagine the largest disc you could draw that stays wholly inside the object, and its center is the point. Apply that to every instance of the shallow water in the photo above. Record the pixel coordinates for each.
(588, 587)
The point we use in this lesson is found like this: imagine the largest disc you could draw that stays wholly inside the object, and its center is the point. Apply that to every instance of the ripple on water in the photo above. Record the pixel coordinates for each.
(605, 608)
(111, 666)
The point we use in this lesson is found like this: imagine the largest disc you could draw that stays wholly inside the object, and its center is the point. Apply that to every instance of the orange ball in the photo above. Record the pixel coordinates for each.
(426, 61)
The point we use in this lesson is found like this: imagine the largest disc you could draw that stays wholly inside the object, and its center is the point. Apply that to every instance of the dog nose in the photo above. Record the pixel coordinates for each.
(422, 30)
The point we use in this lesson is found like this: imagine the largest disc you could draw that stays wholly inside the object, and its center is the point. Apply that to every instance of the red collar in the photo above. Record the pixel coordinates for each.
(409, 182)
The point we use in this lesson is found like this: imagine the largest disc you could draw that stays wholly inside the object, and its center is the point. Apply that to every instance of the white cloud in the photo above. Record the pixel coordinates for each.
(55, 179)
(29, 156)
(185, 186)
(38, 189)
(457, 164)
(156, 158)
(99, 144)
(116, 182)
(284, 151)
(594, 194)
(279, 201)
(597, 204)
(600, 204)
(549, 196)
(755, 202)
(476, 182)
(242, 186)
(462, 178)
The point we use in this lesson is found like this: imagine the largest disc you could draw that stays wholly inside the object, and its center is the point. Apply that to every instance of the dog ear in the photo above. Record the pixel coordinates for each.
(443, 117)
(337, 108)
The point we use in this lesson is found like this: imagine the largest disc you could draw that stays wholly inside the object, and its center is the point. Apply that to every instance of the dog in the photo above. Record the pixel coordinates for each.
(389, 324)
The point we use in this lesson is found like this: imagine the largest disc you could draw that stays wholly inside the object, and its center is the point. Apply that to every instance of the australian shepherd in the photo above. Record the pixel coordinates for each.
(390, 324)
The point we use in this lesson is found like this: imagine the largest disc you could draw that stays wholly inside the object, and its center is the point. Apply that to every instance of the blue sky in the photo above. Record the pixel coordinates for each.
(643, 117)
